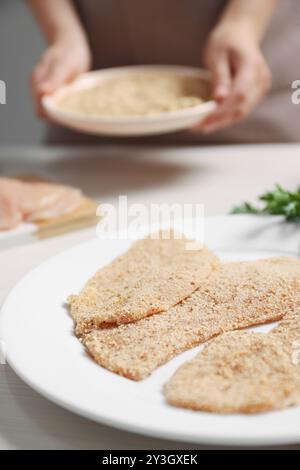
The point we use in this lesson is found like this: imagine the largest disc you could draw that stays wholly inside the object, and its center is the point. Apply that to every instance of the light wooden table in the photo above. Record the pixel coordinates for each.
(218, 177)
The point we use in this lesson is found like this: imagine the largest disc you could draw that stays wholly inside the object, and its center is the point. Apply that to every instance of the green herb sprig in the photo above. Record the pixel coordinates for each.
(277, 202)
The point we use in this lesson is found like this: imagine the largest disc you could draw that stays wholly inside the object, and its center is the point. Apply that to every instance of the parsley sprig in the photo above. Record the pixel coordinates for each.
(277, 202)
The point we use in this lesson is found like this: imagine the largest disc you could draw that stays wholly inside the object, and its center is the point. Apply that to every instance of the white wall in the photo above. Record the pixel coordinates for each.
(20, 46)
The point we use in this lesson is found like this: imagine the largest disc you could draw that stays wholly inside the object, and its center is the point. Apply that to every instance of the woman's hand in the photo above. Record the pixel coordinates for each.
(61, 63)
(240, 76)
(68, 53)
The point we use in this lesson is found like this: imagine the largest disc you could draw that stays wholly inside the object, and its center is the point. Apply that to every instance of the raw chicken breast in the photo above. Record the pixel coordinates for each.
(24, 201)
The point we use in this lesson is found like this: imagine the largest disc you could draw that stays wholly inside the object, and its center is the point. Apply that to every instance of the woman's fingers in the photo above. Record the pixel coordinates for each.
(38, 87)
(52, 72)
(59, 73)
(39, 82)
(250, 82)
(218, 64)
(222, 117)
(234, 109)
(60, 64)
(40, 73)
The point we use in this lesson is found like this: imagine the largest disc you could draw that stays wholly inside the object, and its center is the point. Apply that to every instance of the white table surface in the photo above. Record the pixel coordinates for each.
(218, 177)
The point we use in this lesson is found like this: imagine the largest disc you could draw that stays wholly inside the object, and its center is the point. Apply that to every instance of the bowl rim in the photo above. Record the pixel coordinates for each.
(86, 80)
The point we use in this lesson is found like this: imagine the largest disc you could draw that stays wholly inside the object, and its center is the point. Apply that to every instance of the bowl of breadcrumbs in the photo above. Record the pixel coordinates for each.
(133, 101)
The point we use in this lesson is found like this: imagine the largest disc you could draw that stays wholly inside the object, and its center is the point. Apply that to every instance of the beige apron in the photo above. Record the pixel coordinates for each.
(126, 32)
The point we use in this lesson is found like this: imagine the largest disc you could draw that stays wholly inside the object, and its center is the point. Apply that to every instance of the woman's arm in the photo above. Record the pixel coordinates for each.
(68, 52)
(240, 74)
(58, 20)
(254, 15)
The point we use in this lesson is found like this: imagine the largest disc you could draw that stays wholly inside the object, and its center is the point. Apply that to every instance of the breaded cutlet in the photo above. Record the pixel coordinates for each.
(152, 276)
(242, 372)
(240, 295)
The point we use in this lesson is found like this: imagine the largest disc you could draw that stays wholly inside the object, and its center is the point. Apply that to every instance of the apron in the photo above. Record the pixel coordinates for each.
(129, 32)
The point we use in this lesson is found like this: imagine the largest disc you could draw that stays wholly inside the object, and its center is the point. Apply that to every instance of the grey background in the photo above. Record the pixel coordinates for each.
(20, 47)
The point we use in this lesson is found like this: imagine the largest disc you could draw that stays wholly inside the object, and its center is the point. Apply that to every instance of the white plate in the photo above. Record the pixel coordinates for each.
(37, 332)
(127, 126)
